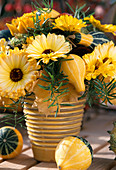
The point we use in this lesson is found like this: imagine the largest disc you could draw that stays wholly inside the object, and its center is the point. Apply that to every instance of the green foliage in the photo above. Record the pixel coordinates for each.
(46, 26)
(56, 81)
(112, 140)
(13, 117)
(78, 12)
(47, 4)
(98, 91)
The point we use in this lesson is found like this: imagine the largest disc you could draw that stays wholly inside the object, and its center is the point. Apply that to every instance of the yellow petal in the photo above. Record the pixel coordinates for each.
(22, 28)
(12, 29)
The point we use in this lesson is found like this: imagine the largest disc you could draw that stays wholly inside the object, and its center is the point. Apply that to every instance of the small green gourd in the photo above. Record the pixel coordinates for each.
(11, 142)
(112, 140)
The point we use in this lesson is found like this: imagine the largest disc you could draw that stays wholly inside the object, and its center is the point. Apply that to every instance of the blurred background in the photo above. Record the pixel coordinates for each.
(105, 10)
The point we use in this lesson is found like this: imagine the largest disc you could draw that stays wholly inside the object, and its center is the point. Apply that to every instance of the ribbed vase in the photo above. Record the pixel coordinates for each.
(45, 132)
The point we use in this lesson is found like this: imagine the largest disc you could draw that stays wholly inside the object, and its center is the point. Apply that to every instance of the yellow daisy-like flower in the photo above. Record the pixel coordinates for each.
(21, 24)
(102, 61)
(69, 23)
(105, 27)
(48, 48)
(16, 73)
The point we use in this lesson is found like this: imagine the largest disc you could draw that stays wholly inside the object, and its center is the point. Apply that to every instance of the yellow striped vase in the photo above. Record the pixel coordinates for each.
(45, 132)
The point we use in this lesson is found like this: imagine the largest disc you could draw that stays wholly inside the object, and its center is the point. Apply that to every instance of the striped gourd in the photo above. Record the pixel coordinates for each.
(75, 70)
(112, 140)
(5, 34)
(11, 142)
(89, 40)
(73, 153)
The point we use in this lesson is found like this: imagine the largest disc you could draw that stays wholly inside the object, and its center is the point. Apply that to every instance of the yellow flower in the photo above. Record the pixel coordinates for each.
(16, 73)
(21, 24)
(29, 40)
(3, 45)
(48, 48)
(68, 23)
(102, 61)
(105, 28)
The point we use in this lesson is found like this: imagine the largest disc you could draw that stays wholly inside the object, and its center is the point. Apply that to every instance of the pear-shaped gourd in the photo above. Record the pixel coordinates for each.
(75, 70)
(73, 153)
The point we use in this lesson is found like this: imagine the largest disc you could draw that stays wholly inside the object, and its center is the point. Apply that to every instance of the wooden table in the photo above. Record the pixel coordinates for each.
(94, 130)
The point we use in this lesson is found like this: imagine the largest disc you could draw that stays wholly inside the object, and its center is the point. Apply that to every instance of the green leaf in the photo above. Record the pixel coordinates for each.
(80, 9)
(91, 14)
(44, 87)
(45, 80)
(64, 79)
(98, 83)
(70, 7)
(11, 124)
(100, 89)
(57, 110)
(112, 87)
(45, 76)
(58, 87)
(20, 120)
(43, 24)
(33, 3)
(51, 4)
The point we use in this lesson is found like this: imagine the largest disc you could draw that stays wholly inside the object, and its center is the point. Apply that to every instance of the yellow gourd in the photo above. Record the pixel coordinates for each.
(75, 70)
(54, 13)
(73, 153)
(11, 142)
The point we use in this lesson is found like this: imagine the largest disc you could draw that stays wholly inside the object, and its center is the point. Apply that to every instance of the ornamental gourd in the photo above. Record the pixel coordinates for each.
(112, 140)
(75, 70)
(73, 153)
(89, 40)
(11, 142)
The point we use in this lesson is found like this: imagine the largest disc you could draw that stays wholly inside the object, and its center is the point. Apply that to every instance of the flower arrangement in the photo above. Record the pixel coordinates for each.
(58, 57)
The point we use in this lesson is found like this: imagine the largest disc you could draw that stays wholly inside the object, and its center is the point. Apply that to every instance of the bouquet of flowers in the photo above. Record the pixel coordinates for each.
(58, 57)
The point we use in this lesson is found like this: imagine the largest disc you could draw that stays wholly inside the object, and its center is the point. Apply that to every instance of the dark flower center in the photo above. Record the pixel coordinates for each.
(47, 51)
(16, 74)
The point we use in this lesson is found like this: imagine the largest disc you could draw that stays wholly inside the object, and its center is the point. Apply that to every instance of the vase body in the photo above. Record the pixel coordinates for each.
(45, 132)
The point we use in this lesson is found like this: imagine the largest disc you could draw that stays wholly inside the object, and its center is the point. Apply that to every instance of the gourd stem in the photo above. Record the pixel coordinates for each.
(71, 42)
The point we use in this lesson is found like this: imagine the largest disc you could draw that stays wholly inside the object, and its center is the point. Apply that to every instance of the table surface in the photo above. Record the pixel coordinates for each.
(94, 129)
